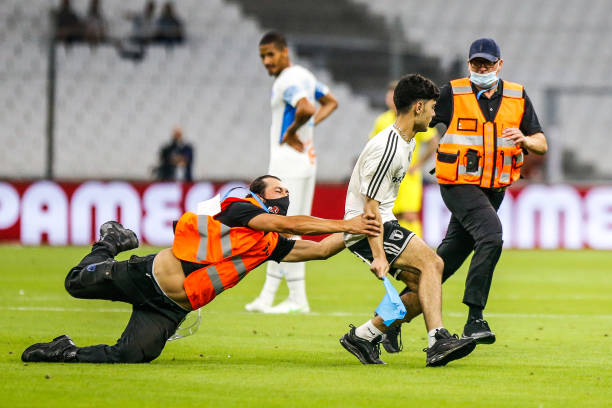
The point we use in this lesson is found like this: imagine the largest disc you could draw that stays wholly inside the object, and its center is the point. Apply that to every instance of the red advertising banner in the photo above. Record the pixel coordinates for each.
(57, 213)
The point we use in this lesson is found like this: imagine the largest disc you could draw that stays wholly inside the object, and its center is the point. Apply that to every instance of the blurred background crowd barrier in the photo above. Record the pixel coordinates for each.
(91, 90)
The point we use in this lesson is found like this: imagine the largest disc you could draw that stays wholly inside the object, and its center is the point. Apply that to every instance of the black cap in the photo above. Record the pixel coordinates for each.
(485, 48)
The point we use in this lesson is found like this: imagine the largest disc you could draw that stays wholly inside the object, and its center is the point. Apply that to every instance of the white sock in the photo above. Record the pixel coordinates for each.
(367, 331)
(296, 282)
(273, 279)
(431, 336)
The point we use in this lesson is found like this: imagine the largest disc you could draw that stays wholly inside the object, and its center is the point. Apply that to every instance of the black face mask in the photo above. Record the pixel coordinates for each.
(277, 206)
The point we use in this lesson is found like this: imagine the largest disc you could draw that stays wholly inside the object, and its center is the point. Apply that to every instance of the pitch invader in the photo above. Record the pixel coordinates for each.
(372, 191)
(292, 157)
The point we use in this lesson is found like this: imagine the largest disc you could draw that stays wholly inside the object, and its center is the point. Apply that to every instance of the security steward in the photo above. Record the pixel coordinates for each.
(209, 255)
(490, 123)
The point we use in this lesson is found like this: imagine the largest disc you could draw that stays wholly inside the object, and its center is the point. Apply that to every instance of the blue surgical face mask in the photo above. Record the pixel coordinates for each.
(484, 80)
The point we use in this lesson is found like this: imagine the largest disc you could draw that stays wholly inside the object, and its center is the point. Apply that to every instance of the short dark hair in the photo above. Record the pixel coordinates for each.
(274, 37)
(410, 89)
(259, 184)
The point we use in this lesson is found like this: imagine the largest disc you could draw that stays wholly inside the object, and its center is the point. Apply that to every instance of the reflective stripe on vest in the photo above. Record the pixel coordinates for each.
(489, 148)
(213, 274)
(449, 138)
(462, 89)
(226, 254)
(226, 243)
(473, 143)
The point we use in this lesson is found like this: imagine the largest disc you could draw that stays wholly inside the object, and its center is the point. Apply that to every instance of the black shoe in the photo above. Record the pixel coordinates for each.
(448, 348)
(367, 352)
(61, 349)
(392, 340)
(480, 331)
(118, 237)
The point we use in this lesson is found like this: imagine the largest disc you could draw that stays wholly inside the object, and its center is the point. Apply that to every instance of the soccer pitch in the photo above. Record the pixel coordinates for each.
(551, 311)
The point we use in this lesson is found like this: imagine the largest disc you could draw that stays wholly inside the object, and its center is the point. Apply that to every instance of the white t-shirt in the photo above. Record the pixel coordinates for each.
(293, 84)
(379, 171)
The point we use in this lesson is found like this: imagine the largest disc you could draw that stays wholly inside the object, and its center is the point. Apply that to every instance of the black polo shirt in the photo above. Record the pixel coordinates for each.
(489, 106)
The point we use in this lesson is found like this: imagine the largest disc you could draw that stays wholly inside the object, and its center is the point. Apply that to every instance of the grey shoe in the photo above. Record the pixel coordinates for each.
(61, 349)
(118, 237)
(448, 348)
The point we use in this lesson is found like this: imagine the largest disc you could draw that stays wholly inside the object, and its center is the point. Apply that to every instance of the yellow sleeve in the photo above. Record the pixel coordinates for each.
(422, 137)
(382, 121)
(377, 128)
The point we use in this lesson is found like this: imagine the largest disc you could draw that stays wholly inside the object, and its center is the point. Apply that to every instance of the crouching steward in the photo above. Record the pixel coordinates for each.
(209, 255)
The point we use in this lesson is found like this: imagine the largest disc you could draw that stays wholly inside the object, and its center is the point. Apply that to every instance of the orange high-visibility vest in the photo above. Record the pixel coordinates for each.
(226, 254)
(472, 151)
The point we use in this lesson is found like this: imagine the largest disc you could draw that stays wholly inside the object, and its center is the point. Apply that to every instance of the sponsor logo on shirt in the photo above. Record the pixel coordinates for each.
(397, 179)
(396, 235)
(273, 210)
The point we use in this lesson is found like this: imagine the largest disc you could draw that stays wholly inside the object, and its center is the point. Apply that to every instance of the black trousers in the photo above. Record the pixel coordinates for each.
(154, 317)
(474, 226)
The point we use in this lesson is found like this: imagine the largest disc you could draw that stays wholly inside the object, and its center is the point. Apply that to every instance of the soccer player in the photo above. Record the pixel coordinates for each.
(408, 203)
(209, 255)
(292, 157)
(372, 191)
(410, 195)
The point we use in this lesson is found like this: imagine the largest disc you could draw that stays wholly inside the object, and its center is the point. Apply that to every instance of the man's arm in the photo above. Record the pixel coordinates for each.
(307, 225)
(529, 133)
(379, 265)
(535, 143)
(309, 250)
(303, 112)
(328, 104)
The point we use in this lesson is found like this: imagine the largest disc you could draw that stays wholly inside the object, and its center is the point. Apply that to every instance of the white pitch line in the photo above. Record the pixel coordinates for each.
(334, 314)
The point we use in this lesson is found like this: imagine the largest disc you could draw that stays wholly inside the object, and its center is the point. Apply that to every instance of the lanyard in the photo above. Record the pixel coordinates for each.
(485, 90)
(255, 196)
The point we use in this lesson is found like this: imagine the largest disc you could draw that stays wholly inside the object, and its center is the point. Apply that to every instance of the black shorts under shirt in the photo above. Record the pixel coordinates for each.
(238, 214)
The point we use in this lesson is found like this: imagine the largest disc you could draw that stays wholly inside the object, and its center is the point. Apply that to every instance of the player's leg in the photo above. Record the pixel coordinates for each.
(301, 192)
(263, 302)
(476, 211)
(364, 341)
(421, 270)
(418, 262)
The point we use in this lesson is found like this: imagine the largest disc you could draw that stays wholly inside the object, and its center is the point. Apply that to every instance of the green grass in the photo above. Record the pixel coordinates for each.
(551, 311)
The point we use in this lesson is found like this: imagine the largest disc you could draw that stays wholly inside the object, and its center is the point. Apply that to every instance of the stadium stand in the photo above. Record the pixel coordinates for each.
(113, 114)
(357, 47)
(109, 108)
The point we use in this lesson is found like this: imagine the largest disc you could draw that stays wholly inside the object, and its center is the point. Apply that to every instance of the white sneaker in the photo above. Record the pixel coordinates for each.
(258, 305)
(289, 306)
